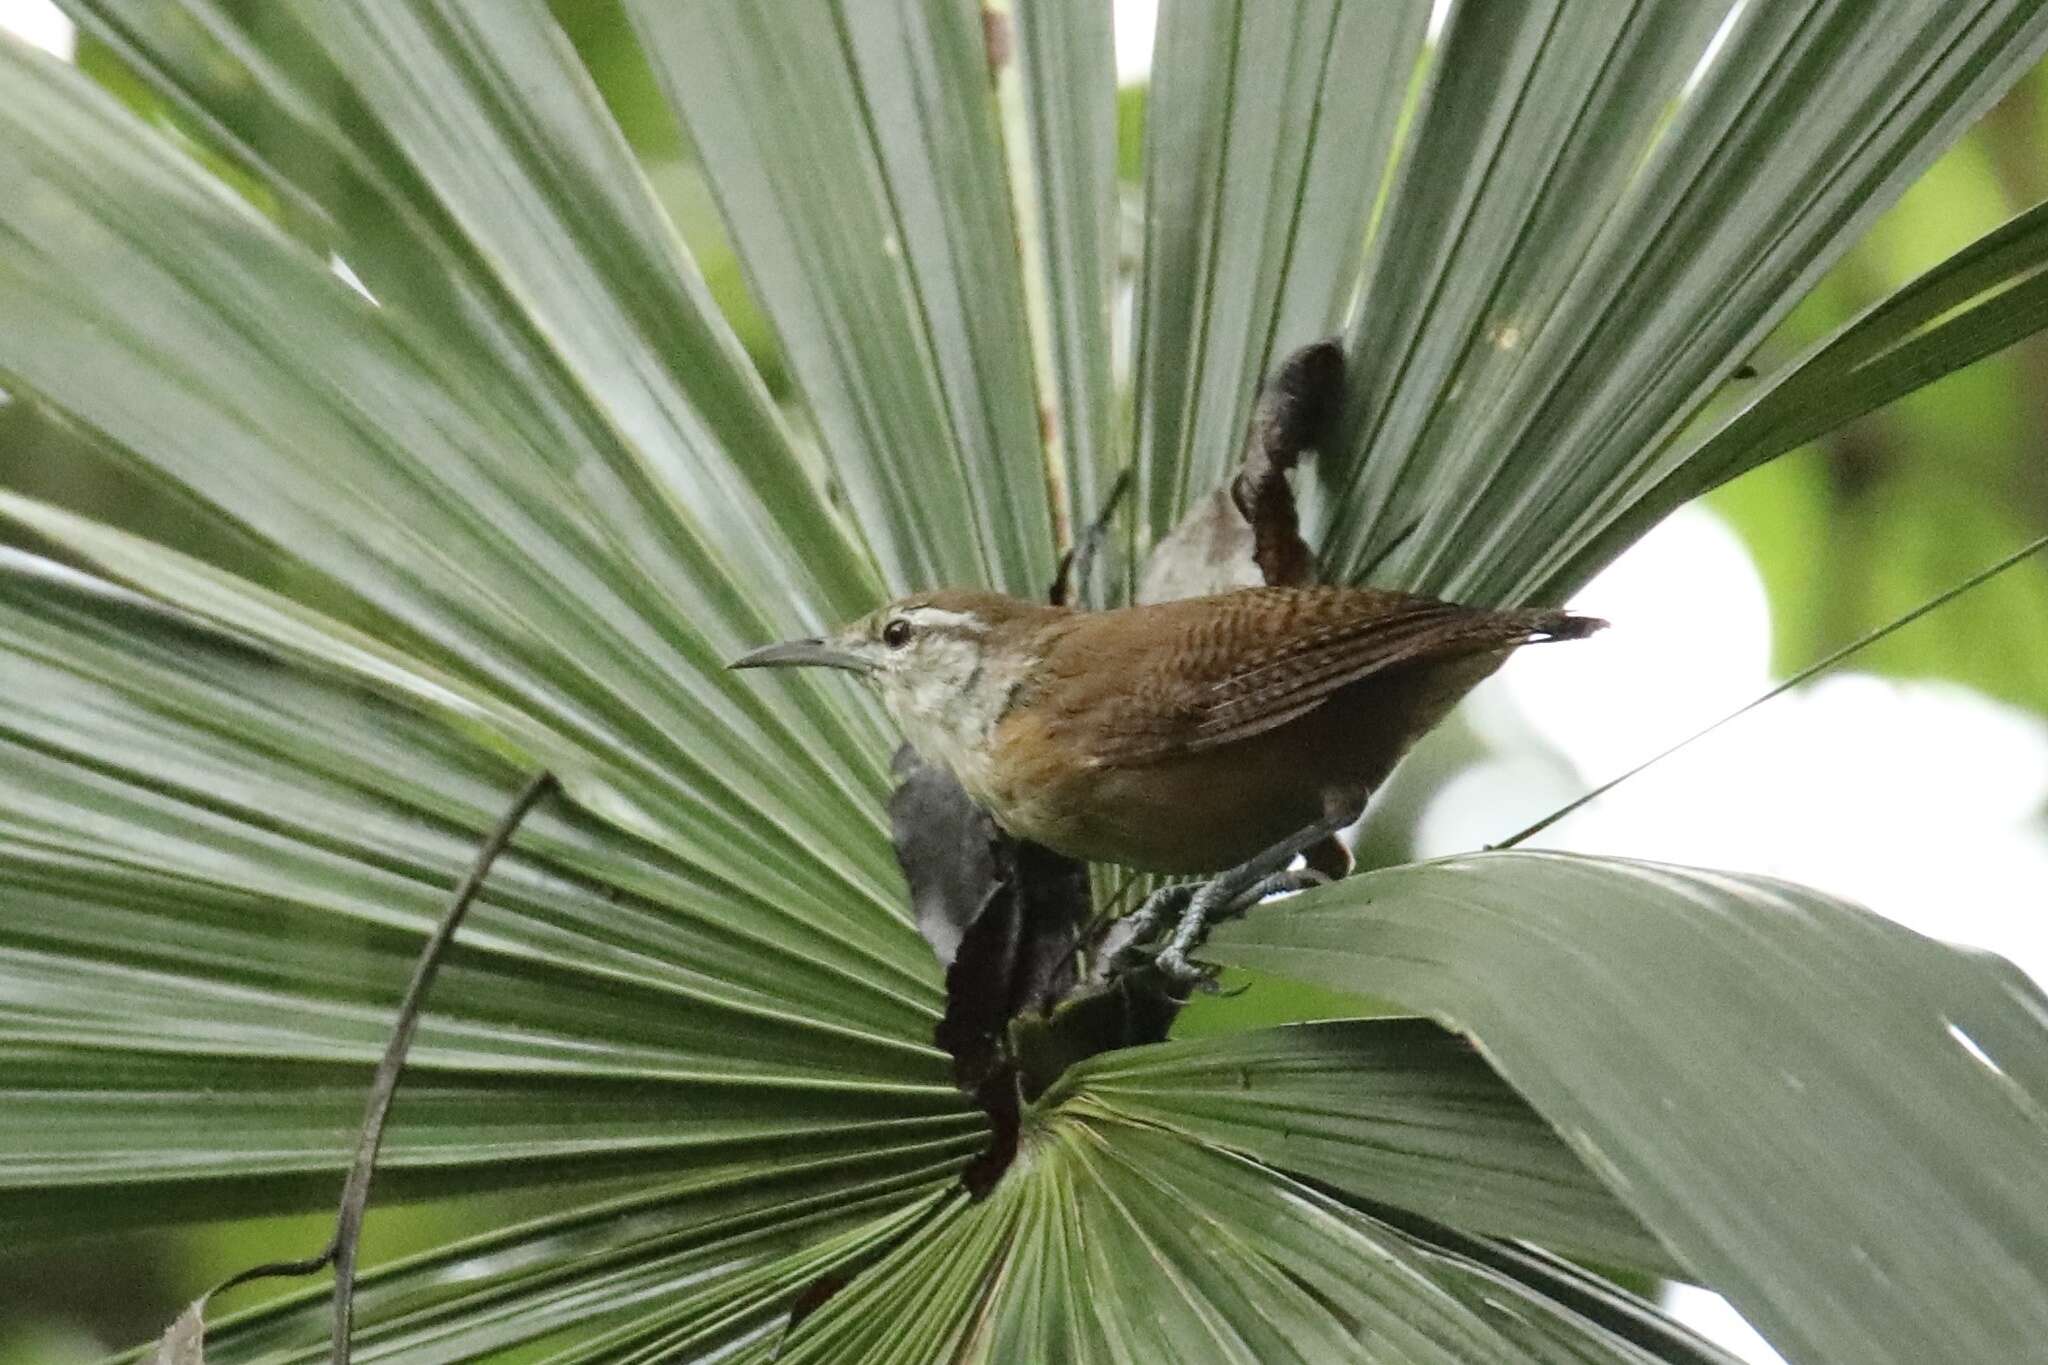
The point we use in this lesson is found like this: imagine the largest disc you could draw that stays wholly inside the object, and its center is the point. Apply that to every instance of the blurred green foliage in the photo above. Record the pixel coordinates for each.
(1867, 523)
(604, 40)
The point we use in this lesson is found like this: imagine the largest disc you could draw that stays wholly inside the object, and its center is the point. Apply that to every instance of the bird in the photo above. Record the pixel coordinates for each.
(1223, 734)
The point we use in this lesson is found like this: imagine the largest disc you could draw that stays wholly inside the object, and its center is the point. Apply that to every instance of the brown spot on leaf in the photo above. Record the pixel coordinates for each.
(996, 36)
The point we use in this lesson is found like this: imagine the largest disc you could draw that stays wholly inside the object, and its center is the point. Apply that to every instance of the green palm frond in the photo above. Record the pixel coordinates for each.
(519, 499)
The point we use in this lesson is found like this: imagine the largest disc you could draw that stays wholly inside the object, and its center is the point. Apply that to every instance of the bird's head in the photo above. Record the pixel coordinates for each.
(945, 664)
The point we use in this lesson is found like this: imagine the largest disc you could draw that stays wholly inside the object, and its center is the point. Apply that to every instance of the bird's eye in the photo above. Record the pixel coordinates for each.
(896, 634)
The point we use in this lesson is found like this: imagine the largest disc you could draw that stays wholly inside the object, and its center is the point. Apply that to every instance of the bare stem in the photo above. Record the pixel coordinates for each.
(355, 1192)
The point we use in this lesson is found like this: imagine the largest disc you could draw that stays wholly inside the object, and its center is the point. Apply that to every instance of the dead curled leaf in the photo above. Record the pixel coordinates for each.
(1004, 917)
(1247, 533)
(184, 1341)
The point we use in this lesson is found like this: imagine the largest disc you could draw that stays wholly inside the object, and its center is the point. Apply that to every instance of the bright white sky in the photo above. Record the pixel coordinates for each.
(1921, 800)
(40, 22)
(1937, 826)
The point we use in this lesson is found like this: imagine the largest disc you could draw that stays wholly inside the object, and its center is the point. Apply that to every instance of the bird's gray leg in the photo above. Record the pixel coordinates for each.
(1232, 892)
(1272, 884)
(1120, 947)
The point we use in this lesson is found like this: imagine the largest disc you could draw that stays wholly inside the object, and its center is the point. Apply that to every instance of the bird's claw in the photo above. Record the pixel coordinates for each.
(1198, 908)
(1173, 964)
(1273, 884)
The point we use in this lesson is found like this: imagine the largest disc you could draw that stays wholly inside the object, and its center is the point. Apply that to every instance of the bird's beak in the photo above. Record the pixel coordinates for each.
(804, 654)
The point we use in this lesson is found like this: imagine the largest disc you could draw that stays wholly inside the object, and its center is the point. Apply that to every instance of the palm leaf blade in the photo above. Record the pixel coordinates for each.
(1749, 188)
(1584, 980)
(887, 262)
(517, 509)
(1394, 1109)
(242, 890)
(1978, 301)
(1268, 129)
(710, 1264)
(405, 491)
(1067, 65)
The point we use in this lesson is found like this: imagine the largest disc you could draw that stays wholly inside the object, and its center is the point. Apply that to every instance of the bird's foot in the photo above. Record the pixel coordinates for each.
(1231, 893)
(1224, 898)
(1202, 907)
(1272, 884)
(1173, 964)
(1127, 945)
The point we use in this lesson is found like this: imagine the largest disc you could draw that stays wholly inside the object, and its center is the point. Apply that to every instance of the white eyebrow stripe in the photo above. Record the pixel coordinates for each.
(939, 616)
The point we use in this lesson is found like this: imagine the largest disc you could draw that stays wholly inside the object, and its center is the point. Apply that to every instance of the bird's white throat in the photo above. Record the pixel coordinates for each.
(947, 700)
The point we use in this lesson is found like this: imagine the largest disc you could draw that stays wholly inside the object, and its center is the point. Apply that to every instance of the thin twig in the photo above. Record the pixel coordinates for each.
(1071, 580)
(355, 1193)
(340, 1251)
(1821, 666)
(1386, 552)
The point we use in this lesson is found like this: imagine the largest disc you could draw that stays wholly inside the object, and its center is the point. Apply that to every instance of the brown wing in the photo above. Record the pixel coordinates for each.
(1181, 677)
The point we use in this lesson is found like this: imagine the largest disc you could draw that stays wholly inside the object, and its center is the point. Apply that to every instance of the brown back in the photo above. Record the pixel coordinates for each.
(1179, 677)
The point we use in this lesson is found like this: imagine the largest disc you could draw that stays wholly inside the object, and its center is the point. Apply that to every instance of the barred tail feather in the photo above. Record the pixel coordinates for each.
(1545, 626)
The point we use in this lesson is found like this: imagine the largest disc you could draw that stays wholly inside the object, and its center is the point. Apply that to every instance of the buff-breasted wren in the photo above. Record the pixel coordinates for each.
(1210, 733)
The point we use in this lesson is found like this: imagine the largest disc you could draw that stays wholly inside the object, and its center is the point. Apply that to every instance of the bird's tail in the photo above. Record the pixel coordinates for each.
(1544, 626)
